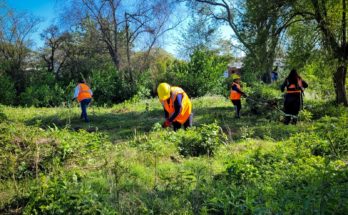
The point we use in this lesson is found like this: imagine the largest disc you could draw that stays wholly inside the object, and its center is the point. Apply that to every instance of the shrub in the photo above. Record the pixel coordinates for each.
(201, 75)
(63, 194)
(43, 95)
(201, 141)
(264, 100)
(7, 89)
(110, 86)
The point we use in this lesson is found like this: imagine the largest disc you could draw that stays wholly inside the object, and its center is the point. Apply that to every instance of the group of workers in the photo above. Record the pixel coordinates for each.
(178, 107)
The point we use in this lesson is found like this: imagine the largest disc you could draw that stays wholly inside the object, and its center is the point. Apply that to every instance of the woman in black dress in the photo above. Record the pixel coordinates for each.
(294, 86)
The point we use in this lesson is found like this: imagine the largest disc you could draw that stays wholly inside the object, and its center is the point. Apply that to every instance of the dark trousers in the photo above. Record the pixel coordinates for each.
(238, 106)
(188, 123)
(84, 104)
(292, 106)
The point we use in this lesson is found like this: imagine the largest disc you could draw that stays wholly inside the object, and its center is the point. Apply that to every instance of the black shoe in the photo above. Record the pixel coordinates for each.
(287, 120)
(294, 121)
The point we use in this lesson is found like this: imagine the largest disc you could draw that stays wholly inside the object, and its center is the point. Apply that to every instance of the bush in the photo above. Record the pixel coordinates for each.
(43, 95)
(203, 74)
(8, 91)
(264, 100)
(64, 194)
(110, 86)
(201, 141)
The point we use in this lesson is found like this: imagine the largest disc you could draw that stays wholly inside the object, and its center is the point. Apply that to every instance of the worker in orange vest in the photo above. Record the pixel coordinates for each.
(177, 106)
(236, 93)
(294, 86)
(83, 94)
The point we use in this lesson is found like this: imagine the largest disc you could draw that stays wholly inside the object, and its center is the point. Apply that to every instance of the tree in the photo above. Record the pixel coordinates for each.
(55, 54)
(200, 33)
(121, 26)
(15, 29)
(328, 15)
(329, 19)
(256, 24)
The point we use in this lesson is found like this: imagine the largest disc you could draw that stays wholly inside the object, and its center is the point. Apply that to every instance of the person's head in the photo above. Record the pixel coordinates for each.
(293, 76)
(81, 81)
(236, 78)
(163, 91)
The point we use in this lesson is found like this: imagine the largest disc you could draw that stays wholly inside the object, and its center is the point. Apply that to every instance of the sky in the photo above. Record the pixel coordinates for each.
(48, 11)
(44, 9)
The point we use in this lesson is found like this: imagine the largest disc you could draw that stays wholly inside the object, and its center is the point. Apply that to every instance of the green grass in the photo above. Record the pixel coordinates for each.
(122, 162)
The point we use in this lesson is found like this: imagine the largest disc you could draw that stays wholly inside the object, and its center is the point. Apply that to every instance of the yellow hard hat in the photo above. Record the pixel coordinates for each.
(163, 91)
(235, 76)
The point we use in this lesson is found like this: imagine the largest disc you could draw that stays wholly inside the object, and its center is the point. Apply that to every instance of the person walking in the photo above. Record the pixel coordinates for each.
(84, 95)
(274, 74)
(294, 86)
(177, 106)
(236, 93)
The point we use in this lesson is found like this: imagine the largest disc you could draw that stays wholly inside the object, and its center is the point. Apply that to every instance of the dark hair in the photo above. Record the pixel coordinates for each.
(81, 81)
(293, 77)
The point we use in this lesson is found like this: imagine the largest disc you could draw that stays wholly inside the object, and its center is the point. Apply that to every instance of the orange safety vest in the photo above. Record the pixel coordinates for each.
(186, 106)
(84, 92)
(234, 95)
(292, 88)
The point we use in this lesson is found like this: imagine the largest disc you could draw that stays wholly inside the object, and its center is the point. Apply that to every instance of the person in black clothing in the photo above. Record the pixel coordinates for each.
(294, 86)
(236, 93)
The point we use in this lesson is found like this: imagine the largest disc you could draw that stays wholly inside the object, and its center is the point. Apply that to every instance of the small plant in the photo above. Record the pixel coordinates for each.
(201, 141)
(63, 194)
(306, 115)
(246, 132)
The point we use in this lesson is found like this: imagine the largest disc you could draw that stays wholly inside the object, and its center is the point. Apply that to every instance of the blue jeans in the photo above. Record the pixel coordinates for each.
(84, 104)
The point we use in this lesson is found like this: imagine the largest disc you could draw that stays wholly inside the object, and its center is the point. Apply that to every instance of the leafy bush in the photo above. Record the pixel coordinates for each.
(201, 75)
(264, 100)
(43, 95)
(280, 179)
(7, 89)
(26, 151)
(110, 86)
(201, 141)
(64, 194)
(2, 115)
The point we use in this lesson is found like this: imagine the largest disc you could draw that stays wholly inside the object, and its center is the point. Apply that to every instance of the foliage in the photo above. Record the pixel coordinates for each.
(203, 74)
(201, 141)
(124, 162)
(263, 100)
(8, 92)
(66, 193)
(110, 86)
(43, 96)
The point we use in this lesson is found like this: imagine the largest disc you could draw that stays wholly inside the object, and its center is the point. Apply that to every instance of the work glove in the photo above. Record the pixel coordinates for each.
(166, 124)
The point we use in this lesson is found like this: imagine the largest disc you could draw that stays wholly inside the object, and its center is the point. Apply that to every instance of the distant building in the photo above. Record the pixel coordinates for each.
(279, 62)
(234, 68)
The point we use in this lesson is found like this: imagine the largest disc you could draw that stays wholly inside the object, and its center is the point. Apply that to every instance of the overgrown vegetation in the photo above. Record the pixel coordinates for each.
(124, 162)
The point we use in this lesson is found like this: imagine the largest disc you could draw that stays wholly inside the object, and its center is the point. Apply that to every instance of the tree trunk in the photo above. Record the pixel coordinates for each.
(266, 77)
(339, 79)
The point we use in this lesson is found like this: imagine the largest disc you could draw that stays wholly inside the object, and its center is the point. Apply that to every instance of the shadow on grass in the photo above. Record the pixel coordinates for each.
(118, 126)
(248, 126)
